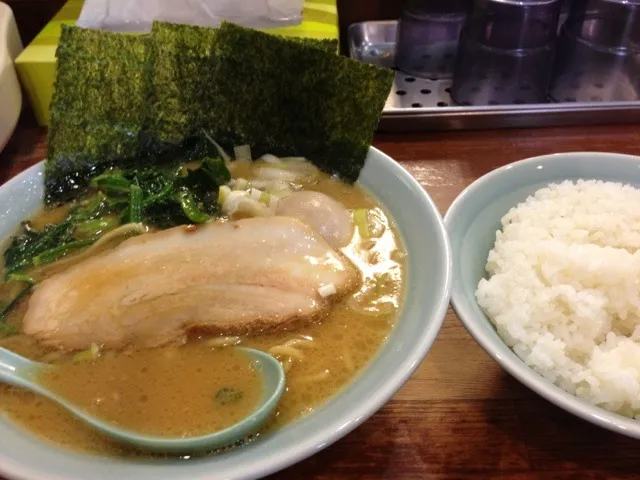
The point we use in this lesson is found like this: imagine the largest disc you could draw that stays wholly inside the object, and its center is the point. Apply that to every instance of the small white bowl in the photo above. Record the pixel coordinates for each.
(472, 222)
(10, 94)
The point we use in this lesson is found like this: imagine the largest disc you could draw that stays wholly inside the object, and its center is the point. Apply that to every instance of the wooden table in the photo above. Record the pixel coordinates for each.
(460, 416)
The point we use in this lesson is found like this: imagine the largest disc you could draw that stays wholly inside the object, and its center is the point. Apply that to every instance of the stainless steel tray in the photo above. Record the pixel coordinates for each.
(417, 104)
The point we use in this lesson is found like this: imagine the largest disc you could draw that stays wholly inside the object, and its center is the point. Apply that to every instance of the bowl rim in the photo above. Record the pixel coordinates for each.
(501, 353)
(340, 424)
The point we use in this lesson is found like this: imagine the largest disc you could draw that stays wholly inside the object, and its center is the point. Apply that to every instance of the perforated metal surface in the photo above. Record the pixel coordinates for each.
(416, 103)
(408, 92)
(412, 92)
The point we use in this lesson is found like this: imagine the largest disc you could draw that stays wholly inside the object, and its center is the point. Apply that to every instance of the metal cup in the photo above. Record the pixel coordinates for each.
(598, 55)
(427, 37)
(506, 52)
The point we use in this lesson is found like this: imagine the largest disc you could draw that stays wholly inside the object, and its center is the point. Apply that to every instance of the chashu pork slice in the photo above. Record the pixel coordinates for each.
(233, 278)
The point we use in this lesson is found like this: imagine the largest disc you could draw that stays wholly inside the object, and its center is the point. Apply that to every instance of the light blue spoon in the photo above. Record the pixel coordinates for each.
(21, 372)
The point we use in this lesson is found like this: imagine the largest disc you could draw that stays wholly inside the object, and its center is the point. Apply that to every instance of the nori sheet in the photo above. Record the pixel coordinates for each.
(287, 98)
(181, 67)
(123, 98)
(98, 107)
(182, 74)
(329, 45)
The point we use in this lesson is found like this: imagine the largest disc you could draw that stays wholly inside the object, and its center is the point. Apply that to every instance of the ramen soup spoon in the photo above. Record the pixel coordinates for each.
(20, 372)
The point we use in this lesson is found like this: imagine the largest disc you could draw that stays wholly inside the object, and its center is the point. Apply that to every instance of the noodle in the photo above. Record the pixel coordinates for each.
(286, 366)
(283, 350)
(288, 351)
(301, 342)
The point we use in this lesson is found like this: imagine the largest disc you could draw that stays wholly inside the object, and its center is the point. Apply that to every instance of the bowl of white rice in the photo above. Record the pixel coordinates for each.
(546, 278)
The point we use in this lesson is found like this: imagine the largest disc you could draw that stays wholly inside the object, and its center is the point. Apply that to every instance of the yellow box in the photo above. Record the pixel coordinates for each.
(36, 65)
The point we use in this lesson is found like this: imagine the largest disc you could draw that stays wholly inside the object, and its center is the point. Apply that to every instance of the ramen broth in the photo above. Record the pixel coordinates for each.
(319, 358)
(175, 392)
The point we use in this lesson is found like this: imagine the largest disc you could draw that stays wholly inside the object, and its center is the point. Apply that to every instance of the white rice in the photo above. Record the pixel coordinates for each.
(564, 289)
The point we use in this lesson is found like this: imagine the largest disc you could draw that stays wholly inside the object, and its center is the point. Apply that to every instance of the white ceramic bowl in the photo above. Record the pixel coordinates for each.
(472, 222)
(10, 95)
(25, 457)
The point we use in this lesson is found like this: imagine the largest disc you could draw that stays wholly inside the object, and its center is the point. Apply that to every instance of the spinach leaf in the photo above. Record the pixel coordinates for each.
(11, 291)
(190, 207)
(113, 182)
(156, 194)
(216, 170)
(31, 243)
(7, 330)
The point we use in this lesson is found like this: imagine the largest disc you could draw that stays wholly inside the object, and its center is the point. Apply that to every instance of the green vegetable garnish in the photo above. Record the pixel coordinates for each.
(54, 254)
(228, 396)
(112, 183)
(96, 227)
(90, 353)
(7, 330)
(361, 219)
(135, 204)
(31, 243)
(265, 198)
(92, 208)
(21, 277)
(155, 194)
(190, 208)
(160, 196)
(12, 290)
(216, 170)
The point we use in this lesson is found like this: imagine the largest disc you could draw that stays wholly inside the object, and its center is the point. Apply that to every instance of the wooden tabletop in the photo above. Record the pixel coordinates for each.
(460, 416)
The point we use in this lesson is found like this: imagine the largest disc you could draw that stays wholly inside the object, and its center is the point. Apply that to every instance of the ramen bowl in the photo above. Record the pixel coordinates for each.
(24, 456)
(472, 222)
